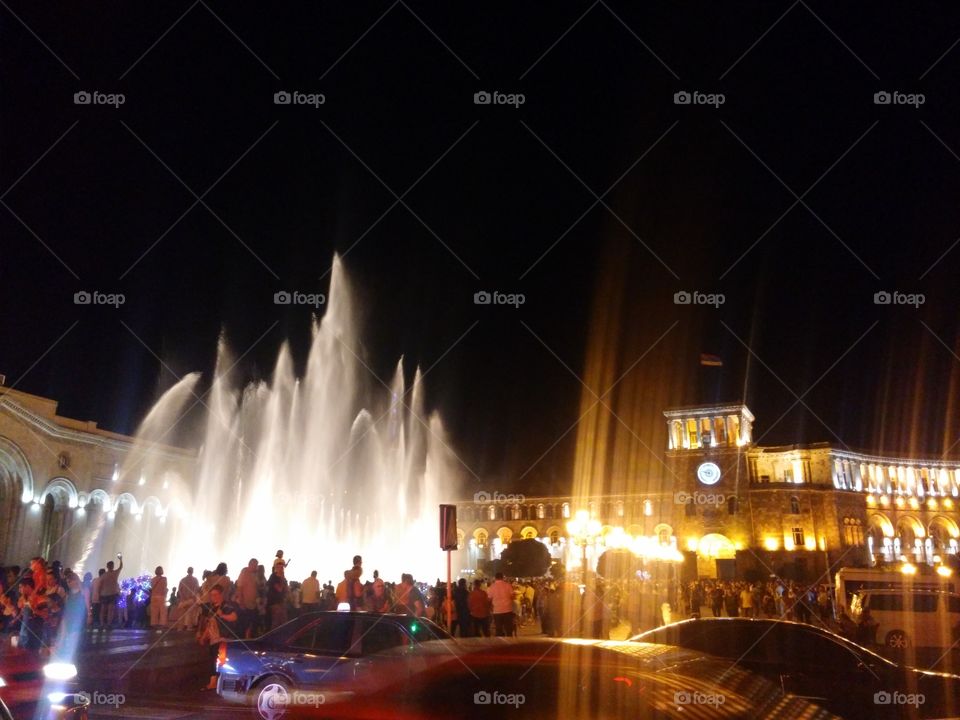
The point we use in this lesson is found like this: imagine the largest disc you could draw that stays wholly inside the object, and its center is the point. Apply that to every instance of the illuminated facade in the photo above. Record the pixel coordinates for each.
(730, 505)
(75, 492)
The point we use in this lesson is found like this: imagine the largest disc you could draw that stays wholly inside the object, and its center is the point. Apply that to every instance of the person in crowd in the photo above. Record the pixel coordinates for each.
(293, 600)
(379, 600)
(279, 564)
(261, 600)
(246, 595)
(716, 601)
(310, 593)
(86, 589)
(501, 599)
(478, 606)
(277, 590)
(74, 614)
(461, 598)
(158, 599)
(109, 592)
(409, 600)
(220, 623)
(187, 613)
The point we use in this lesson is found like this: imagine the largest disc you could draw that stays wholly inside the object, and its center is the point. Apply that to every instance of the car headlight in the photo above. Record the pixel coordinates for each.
(60, 671)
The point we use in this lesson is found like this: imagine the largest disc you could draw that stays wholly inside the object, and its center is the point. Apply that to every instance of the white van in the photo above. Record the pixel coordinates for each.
(910, 618)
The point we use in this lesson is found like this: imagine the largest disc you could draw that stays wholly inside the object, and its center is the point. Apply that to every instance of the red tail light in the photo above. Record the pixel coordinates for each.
(222, 655)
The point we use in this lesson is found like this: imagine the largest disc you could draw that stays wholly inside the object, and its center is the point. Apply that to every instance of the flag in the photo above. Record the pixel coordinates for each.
(710, 360)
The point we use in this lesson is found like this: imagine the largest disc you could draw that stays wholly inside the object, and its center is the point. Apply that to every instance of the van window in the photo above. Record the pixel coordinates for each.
(892, 603)
(924, 603)
(953, 604)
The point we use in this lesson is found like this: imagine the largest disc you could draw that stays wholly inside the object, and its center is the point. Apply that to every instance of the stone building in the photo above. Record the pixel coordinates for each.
(729, 505)
(75, 492)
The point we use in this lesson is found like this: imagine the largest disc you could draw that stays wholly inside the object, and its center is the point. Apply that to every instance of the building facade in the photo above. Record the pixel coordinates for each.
(75, 492)
(730, 506)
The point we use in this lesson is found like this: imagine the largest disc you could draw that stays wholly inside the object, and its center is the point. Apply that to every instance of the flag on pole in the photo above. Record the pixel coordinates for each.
(710, 360)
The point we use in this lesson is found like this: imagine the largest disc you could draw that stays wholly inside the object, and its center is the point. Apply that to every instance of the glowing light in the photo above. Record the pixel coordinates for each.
(948, 504)
(913, 503)
(60, 671)
(823, 542)
(899, 501)
(116, 473)
(909, 569)
(112, 515)
(771, 543)
(944, 571)
(788, 543)
(692, 544)
(871, 500)
(143, 480)
(810, 544)
(932, 504)
(343, 607)
(884, 500)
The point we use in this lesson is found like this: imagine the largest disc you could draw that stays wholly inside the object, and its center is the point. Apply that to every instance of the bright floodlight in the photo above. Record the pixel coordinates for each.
(944, 571)
(60, 671)
(908, 569)
(343, 607)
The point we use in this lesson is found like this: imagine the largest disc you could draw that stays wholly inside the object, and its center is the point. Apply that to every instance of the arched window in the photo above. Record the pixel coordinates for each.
(492, 512)
(852, 532)
(541, 511)
(794, 506)
(566, 510)
(647, 508)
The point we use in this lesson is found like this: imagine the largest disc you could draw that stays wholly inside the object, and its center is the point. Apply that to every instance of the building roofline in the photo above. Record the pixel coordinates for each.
(729, 408)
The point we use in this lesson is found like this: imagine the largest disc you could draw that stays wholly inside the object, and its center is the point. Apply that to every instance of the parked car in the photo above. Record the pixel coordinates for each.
(324, 657)
(27, 682)
(816, 664)
(584, 679)
(910, 618)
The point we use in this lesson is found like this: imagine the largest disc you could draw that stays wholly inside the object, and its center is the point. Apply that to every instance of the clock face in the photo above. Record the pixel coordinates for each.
(708, 473)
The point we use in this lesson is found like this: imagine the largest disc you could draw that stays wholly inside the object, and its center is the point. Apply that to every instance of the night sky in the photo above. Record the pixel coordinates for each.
(798, 198)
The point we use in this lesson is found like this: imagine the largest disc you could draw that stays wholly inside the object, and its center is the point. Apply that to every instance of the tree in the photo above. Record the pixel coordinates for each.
(525, 558)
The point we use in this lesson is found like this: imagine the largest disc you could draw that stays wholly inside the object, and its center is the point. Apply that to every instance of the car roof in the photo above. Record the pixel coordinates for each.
(905, 591)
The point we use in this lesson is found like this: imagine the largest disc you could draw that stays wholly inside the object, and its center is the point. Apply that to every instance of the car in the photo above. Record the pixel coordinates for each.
(814, 663)
(910, 618)
(33, 686)
(520, 678)
(326, 657)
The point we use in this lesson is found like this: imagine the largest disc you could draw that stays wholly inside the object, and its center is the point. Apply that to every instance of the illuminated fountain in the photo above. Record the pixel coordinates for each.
(325, 466)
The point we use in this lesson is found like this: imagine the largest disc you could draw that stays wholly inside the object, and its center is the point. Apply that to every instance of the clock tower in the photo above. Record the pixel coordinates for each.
(706, 464)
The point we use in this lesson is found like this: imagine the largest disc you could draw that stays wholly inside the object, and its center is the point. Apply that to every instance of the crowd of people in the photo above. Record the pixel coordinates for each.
(46, 604)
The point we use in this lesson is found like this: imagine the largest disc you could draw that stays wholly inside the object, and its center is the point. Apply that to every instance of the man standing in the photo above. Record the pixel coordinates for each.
(501, 597)
(310, 593)
(246, 598)
(158, 599)
(478, 603)
(277, 590)
(109, 590)
(95, 599)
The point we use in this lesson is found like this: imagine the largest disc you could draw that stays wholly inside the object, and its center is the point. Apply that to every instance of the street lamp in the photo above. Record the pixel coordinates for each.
(583, 531)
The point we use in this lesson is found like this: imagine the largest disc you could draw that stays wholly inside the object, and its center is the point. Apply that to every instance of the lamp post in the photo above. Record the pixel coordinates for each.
(583, 531)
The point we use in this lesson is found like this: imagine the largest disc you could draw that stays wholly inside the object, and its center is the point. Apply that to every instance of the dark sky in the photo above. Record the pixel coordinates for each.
(701, 198)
